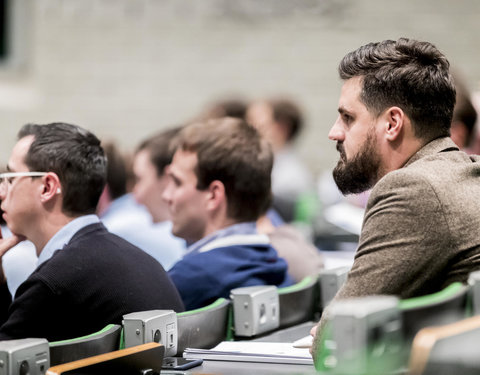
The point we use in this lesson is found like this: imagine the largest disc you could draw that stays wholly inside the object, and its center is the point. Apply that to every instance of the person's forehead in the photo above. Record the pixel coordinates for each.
(19, 151)
(184, 162)
(142, 160)
(350, 95)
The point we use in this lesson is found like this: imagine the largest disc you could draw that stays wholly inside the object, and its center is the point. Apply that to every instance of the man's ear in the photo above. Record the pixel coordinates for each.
(395, 121)
(216, 195)
(51, 187)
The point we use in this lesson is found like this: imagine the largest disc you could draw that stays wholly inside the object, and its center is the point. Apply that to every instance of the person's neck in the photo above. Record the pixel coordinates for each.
(399, 154)
(214, 226)
(47, 228)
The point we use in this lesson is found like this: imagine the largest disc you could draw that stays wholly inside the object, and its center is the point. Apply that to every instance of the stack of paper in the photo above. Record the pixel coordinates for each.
(253, 351)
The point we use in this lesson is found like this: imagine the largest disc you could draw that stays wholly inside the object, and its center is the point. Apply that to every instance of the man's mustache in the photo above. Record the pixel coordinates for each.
(341, 150)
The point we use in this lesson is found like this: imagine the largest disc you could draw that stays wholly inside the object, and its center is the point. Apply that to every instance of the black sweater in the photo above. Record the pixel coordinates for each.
(96, 279)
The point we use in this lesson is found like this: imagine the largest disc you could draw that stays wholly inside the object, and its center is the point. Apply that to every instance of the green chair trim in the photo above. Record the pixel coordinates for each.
(307, 280)
(218, 302)
(121, 344)
(411, 303)
(230, 325)
(105, 329)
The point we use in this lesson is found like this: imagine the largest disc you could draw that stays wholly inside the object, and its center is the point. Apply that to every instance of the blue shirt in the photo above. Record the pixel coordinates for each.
(128, 219)
(64, 235)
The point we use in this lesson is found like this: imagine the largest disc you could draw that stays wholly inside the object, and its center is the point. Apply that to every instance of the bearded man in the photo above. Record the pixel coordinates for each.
(420, 231)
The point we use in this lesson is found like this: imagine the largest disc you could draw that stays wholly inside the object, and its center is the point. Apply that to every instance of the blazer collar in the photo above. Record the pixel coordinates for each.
(433, 147)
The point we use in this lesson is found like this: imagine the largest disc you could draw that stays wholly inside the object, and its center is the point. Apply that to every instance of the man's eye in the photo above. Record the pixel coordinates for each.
(10, 179)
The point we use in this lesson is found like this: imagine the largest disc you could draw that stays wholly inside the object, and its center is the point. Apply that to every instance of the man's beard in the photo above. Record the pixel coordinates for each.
(360, 173)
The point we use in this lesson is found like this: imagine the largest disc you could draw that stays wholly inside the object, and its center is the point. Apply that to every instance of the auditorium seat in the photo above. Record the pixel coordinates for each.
(298, 302)
(204, 327)
(447, 349)
(103, 341)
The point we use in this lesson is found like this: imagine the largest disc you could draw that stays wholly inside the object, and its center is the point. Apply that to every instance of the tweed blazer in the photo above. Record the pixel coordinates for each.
(421, 229)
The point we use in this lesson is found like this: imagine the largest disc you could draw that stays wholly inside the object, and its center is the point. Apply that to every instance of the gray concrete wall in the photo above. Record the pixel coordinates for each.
(125, 68)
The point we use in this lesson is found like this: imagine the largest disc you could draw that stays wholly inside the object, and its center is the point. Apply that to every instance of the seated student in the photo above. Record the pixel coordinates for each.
(149, 163)
(124, 216)
(87, 277)
(280, 120)
(219, 185)
(420, 231)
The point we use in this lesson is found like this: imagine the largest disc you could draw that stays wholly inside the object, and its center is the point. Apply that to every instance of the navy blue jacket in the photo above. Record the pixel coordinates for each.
(203, 276)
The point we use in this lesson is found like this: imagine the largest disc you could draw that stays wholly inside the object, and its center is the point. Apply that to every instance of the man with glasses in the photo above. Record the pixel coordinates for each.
(86, 277)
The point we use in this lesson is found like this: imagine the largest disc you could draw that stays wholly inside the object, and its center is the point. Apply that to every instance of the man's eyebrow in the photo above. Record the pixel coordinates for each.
(343, 110)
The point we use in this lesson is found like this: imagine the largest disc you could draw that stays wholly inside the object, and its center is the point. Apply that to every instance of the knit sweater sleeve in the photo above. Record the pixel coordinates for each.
(32, 308)
(5, 301)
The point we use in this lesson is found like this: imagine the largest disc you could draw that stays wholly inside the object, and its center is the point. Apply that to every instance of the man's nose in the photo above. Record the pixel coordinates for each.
(336, 133)
(166, 195)
(3, 190)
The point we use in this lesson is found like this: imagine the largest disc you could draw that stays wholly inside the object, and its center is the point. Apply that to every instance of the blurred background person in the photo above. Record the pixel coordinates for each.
(150, 160)
(125, 217)
(228, 107)
(280, 121)
(463, 129)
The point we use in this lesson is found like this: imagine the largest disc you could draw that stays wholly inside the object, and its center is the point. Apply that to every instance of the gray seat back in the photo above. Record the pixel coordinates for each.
(204, 327)
(104, 341)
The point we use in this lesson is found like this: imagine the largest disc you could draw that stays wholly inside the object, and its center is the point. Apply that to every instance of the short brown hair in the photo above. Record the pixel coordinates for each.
(407, 73)
(233, 152)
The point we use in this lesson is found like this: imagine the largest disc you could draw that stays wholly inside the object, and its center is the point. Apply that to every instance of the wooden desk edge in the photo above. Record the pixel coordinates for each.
(56, 370)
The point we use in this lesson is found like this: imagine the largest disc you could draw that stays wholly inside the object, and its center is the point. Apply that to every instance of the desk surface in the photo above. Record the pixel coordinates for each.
(243, 368)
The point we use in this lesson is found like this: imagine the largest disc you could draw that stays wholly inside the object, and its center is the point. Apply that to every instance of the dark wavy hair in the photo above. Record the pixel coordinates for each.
(410, 74)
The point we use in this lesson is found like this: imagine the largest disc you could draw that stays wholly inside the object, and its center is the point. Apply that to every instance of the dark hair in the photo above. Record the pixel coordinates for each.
(286, 112)
(160, 149)
(231, 151)
(410, 74)
(77, 158)
(116, 170)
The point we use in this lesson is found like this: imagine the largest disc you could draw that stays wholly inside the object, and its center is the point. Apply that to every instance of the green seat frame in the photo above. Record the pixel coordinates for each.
(446, 306)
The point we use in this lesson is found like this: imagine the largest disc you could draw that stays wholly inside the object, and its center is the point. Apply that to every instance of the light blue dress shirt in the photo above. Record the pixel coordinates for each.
(130, 220)
(64, 235)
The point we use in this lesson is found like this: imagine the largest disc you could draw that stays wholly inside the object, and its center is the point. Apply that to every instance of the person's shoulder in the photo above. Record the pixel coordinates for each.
(403, 177)
(96, 242)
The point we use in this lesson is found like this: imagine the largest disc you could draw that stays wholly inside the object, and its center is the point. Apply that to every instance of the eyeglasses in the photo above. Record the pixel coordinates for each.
(6, 179)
